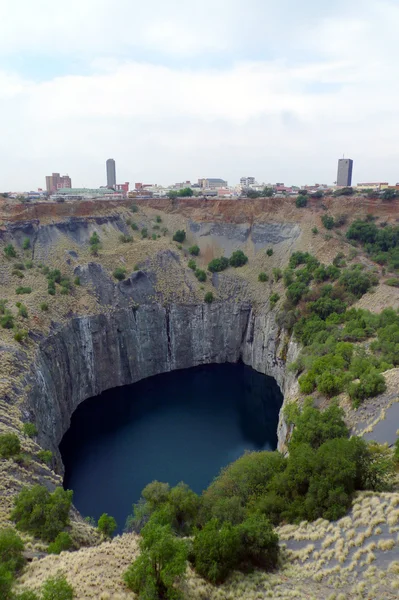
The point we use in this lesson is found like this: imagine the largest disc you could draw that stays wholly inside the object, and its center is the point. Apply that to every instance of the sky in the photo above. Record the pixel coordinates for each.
(177, 90)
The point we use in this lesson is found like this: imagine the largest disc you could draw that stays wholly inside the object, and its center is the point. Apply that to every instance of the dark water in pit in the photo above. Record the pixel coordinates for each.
(180, 426)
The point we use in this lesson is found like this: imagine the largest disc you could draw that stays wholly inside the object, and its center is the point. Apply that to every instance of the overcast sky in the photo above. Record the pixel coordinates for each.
(181, 89)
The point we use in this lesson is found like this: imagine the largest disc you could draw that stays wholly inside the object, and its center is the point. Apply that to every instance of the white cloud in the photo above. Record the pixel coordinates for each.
(284, 115)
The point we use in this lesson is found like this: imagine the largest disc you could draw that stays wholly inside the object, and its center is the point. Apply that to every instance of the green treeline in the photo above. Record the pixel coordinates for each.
(230, 526)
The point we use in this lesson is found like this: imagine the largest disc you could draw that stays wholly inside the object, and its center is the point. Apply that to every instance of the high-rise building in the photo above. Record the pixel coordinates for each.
(111, 173)
(345, 167)
(247, 181)
(55, 182)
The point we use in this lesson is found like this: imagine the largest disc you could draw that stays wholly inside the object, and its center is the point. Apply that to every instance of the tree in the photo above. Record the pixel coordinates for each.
(263, 277)
(259, 543)
(389, 194)
(186, 192)
(218, 264)
(11, 550)
(57, 588)
(238, 259)
(161, 564)
(40, 513)
(194, 250)
(9, 445)
(172, 194)
(269, 252)
(200, 275)
(179, 236)
(106, 525)
(216, 550)
(301, 201)
(119, 273)
(6, 581)
(62, 542)
(328, 221)
(314, 427)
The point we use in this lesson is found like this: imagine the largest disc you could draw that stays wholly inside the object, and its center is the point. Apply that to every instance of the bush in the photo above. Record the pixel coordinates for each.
(192, 264)
(274, 298)
(218, 264)
(328, 221)
(277, 274)
(11, 550)
(161, 564)
(40, 513)
(9, 445)
(370, 385)
(106, 525)
(30, 430)
(153, 237)
(158, 219)
(57, 588)
(23, 311)
(208, 297)
(134, 226)
(134, 208)
(393, 282)
(62, 543)
(301, 201)
(144, 233)
(315, 231)
(23, 290)
(314, 427)
(179, 236)
(20, 335)
(259, 543)
(125, 239)
(119, 273)
(94, 239)
(26, 243)
(6, 582)
(77, 280)
(44, 306)
(216, 550)
(269, 252)
(238, 259)
(356, 282)
(200, 275)
(45, 456)
(9, 251)
(194, 250)
(263, 277)
(7, 320)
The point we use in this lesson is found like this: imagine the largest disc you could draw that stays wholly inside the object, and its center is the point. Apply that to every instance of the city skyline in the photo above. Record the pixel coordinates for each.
(188, 97)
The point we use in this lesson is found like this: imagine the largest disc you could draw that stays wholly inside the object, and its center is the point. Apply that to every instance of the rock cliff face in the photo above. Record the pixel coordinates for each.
(94, 353)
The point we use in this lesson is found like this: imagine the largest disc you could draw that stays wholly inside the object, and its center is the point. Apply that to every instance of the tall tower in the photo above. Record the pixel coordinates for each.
(345, 167)
(111, 174)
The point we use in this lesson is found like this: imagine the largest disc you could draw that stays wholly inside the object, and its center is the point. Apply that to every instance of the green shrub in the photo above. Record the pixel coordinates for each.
(17, 273)
(44, 306)
(9, 251)
(370, 385)
(45, 456)
(218, 264)
(11, 550)
(94, 249)
(153, 237)
(194, 250)
(30, 430)
(40, 513)
(263, 277)
(356, 282)
(26, 243)
(119, 273)
(76, 281)
(125, 239)
(179, 236)
(19, 266)
(62, 543)
(94, 239)
(301, 201)
(161, 564)
(3, 304)
(29, 264)
(259, 543)
(314, 427)
(158, 219)
(9, 445)
(57, 588)
(200, 275)
(134, 226)
(315, 231)
(22, 311)
(269, 252)
(274, 298)
(238, 259)
(144, 233)
(208, 297)
(192, 264)
(134, 208)
(392, 281)
(328, 221)
(277, 274)
(20, 335)
(6, 582)
(216, 550)
(106, 525)
(7, 320)
(23, 290)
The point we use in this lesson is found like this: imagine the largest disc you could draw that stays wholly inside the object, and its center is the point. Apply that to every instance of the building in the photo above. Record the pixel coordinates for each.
(122, 187)
(55, 182)
(212, 183)
(380, 185)
(111, 173)
(247, 181)
(344, 176)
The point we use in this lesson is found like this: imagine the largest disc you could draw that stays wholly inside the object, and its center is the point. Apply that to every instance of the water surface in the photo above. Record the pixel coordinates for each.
(179, 426)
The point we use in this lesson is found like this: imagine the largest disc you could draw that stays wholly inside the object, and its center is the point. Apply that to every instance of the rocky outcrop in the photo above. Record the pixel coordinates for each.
(94, 353)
